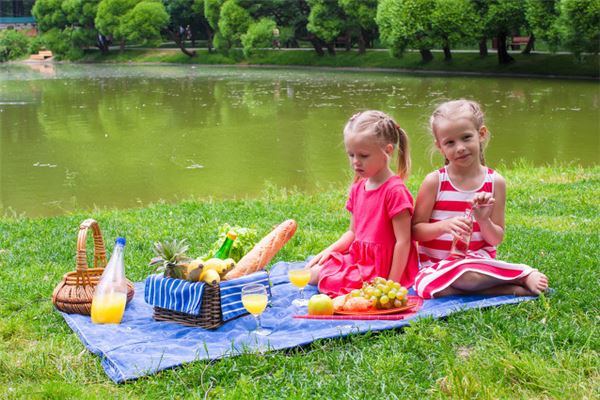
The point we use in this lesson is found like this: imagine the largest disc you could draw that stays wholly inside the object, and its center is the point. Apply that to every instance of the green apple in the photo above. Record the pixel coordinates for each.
(320, 304)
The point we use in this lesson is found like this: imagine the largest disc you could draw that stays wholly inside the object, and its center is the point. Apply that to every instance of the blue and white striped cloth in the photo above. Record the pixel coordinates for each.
(183, 296)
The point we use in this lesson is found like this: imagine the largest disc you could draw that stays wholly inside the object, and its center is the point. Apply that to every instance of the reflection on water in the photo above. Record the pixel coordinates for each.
(121, 136)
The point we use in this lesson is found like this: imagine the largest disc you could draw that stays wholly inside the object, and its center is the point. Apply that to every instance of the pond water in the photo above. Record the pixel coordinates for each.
(79, 136)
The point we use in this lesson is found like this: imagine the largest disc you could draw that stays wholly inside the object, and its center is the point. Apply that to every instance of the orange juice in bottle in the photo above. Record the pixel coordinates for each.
(110, 296)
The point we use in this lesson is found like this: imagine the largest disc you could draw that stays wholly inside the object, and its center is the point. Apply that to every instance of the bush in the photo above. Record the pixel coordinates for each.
(13, 44)
(260, 34)
(36, 44)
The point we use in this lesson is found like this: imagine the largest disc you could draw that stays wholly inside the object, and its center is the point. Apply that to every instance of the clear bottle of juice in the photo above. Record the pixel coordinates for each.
(110, 296)
(460, 244)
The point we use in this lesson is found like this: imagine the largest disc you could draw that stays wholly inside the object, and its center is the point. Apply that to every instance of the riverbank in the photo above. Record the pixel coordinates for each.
(540, 349)
(532, 65)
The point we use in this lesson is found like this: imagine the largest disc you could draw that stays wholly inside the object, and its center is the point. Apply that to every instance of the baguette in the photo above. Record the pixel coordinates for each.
(260, 255)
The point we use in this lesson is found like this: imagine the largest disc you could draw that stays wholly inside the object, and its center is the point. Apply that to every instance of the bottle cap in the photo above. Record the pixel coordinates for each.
(232, 235)
(120, 240)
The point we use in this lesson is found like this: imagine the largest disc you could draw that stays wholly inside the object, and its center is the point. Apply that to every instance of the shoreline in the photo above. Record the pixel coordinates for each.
(408, 71)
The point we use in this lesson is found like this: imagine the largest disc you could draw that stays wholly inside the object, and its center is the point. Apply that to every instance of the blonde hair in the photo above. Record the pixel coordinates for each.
(384, 129)
(462, 108)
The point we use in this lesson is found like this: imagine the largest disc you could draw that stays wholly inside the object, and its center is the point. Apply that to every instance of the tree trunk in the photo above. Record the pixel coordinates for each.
(530, 44)
(362, 43)
(102, 44)
(209, 36)
(447, 52)
(180, 42)
(503, 56)
(426, 55)
(317, 44)
(331, 48)
(122, 45)
(483, 50)
(348, 40)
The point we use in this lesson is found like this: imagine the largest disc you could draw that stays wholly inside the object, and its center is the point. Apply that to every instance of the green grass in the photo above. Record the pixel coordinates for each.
(538, 349)
(537, 64)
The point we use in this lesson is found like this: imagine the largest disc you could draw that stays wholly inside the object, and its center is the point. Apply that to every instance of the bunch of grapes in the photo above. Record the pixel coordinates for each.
(383, 293)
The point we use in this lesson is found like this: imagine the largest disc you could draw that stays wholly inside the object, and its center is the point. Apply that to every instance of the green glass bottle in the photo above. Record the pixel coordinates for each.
(225, 249)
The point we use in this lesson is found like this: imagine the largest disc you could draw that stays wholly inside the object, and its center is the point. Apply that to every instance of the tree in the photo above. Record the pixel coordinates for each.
(580, 22)
(361, 15)
(453, 21)
(406, 23)
(327, 21)
(109, 19)
(481, 9)
(542, 18)
(67, 27)
(503, 18)
(144, 22)
(233, 22)
(260, 34)
(182, 14)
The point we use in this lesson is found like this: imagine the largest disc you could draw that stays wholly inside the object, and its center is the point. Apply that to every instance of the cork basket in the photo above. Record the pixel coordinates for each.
(74, 293)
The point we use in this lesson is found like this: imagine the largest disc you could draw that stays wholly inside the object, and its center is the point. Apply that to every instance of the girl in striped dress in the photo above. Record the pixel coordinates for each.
(439, 217)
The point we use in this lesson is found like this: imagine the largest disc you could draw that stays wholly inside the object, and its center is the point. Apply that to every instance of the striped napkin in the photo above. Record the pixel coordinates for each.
(184, 296)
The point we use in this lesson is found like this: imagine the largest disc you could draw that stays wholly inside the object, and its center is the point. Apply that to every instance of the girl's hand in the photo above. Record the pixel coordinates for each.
(458, 226)
(482, 206)
(319, 259)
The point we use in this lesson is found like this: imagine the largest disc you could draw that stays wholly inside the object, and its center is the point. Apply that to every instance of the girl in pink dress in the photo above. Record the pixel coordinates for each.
(465, 183)
(378, 242)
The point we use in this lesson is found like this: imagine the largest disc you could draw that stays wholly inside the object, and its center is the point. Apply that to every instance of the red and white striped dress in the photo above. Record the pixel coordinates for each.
(438, 269)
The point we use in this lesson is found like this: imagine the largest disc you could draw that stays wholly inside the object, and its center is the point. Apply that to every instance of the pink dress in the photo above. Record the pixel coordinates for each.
(438, 269)
(370, 254)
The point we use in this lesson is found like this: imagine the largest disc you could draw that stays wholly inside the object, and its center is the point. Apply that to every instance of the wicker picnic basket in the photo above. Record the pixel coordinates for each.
(210, 316)
(74, 293)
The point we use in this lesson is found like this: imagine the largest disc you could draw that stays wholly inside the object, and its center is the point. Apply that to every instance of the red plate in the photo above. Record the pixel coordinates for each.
(378, 312)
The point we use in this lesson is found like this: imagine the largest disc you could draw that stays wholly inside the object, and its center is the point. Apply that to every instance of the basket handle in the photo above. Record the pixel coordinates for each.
(99, 249)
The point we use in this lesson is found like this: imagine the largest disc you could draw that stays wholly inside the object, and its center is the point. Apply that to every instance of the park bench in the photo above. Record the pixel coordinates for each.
(517, 41)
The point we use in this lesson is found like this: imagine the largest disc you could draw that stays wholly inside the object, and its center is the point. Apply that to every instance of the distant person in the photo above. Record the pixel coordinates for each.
(378, 242)
(439, 224)
(276, 42)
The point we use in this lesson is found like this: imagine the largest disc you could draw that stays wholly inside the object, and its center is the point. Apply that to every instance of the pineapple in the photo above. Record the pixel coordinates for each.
(171, 258)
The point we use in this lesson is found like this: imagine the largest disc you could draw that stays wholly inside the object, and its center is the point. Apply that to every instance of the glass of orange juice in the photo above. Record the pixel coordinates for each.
(299, 278)
(254, 299)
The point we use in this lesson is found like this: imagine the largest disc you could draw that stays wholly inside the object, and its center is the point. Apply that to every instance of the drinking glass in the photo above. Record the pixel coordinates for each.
(254, 299)
(299, 278)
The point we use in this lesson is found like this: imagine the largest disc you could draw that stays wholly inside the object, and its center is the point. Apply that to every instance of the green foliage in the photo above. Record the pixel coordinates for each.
(49, 15)
(233, 22)
(542, 17)
(580, 20)
(13, 44)
(110, 15)
(504, 17)
(326, 19)
(260, 34)
(144, 22)
(245, 241)
(406, 23)
(212, 12)
(454, 21)
(361, 12)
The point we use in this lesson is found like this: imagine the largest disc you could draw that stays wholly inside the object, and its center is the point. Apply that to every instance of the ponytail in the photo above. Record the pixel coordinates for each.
(403, 154)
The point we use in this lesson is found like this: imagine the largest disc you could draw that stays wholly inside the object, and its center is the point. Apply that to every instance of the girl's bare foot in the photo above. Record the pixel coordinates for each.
(536, 282)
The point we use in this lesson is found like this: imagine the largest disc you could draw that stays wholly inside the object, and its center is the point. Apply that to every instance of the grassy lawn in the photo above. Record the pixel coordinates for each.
(538, 349)
(538, 64)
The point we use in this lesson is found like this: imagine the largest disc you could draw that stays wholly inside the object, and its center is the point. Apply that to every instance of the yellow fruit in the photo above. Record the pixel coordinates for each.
(211, 277)
(216, 264)
(320, 304)
(192, 265)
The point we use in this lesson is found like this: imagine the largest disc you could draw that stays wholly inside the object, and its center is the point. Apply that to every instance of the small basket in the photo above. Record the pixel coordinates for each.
(74, 293)
(210, 311)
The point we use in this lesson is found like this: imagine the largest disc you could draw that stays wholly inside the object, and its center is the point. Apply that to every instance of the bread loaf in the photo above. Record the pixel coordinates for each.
(260, 255)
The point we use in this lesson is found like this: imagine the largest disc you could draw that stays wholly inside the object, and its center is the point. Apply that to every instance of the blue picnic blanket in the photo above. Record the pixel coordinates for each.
(142, 346)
